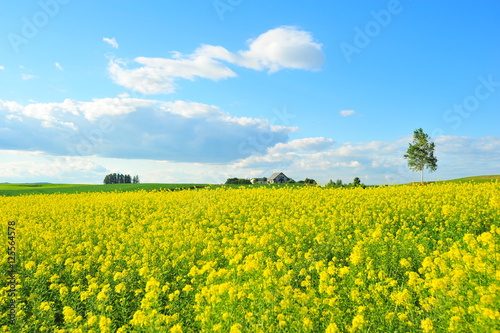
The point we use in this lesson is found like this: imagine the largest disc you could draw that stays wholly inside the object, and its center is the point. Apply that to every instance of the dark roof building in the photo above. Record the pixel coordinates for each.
(278, 178)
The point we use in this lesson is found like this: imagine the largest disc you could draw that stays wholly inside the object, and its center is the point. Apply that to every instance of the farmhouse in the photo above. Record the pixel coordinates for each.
(278, 178)
(259, 181)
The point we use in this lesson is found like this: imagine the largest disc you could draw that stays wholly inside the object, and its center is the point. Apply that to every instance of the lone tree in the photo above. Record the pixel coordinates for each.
(420, 153)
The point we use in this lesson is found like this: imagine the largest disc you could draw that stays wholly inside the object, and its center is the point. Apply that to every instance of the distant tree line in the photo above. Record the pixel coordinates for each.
(337, 184)
(238, 181)
(307, 181)
(118, 178)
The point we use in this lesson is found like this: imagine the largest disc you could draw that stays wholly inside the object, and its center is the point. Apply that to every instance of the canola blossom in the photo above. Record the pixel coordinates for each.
(263, 259)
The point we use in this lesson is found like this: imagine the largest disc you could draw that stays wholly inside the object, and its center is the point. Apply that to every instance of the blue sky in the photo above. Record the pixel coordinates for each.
(200, 91)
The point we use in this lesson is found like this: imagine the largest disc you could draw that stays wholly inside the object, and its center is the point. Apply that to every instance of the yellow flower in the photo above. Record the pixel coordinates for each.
(70, 315)
(307, 324)
(344, 271)
(356, 255)
(104, 324)
(454, 323)
(45, 306)
(92, 320)
(448, 209)
(139, 318)
(426, 325)
(357, 323)
(488, 299)
(405, 263)
(29, 265)
(63, 291)
(152, 285)
(332, 328)
(143, 271)
(402, 297)
(120, 287)
(235, 328)
(102, 296)
(84, 295)
(176, 329)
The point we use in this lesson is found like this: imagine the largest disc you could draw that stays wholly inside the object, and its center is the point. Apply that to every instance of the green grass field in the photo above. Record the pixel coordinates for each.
(43, 188)
(47, 188)
(475, 179)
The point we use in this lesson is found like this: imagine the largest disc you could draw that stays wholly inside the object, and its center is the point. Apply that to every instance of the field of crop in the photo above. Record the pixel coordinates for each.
(263, 259)
(47, 188)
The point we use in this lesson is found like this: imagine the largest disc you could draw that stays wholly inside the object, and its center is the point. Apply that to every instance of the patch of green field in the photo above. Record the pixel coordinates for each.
(43, 188)
(475, 179)
(259, 185)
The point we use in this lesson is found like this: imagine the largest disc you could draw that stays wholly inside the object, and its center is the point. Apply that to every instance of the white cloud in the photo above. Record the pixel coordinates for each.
(303, 145)
(125, 127)
(27, 76)
(111, 41)
(2, 68)
(346, 113)
(58, 66)
(274, 50)
(284, 47)
(157, 76)
(35, 167)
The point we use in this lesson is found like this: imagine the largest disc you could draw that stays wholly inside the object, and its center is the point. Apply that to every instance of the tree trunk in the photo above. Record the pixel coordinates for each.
(422, 176)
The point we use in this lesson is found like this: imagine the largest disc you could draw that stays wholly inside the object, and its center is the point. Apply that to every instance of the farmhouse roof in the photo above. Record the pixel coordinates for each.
(276, 174)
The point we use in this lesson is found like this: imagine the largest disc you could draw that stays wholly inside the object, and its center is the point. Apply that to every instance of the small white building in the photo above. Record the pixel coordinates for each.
(258, 181)
(278, 178)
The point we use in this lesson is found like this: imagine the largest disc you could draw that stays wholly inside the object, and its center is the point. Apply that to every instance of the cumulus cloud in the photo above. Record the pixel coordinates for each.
(277, 49)
(284, 47)
(125, 127)
(111, 41)
(2, 68)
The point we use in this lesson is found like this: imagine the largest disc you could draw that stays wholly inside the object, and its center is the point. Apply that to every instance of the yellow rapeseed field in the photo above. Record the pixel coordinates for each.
(264, 259)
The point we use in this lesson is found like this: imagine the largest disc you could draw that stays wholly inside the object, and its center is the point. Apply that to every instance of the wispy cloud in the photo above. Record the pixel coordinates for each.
(346, 113)
(27, 76)
(111, 41)
(58, 66)
(281, 48)
(2, 68)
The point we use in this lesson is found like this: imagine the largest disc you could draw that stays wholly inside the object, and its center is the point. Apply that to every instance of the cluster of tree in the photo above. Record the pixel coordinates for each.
(355, 183)
(118, 178)
(238, 181)
(307, 181)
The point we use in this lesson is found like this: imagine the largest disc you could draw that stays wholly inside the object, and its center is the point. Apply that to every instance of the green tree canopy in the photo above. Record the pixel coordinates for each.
(420, 153)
